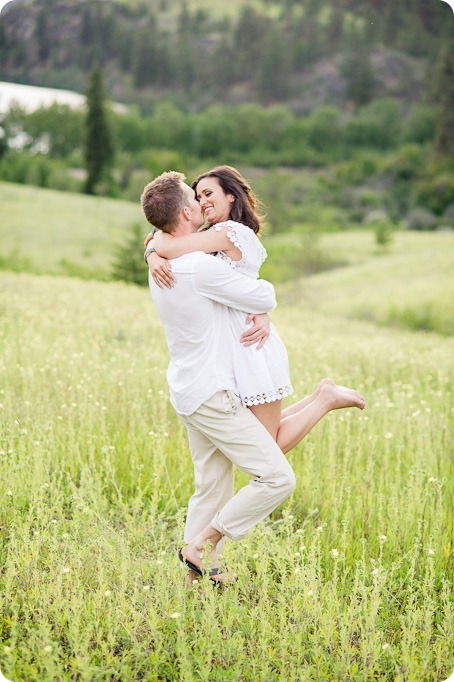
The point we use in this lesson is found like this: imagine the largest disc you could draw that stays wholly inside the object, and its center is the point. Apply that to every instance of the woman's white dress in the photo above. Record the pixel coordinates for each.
(262, 375)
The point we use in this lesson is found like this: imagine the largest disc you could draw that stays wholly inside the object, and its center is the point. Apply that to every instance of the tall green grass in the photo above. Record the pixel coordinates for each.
(350, 579)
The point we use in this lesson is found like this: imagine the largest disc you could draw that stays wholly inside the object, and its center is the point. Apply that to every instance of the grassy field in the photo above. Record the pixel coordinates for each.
(351, 579)
(410, 286)
(53, 232)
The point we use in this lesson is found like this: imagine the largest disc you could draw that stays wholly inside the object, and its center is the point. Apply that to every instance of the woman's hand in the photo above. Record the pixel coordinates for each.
(148, 238)
(161, 271)
(259, 332)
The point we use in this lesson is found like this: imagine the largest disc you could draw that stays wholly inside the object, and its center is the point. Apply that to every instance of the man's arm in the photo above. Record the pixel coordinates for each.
(217, 280)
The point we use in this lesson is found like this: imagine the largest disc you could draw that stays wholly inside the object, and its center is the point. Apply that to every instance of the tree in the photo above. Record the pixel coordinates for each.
(98, 147)
(444, 97)
(357, 68)
(273, 68)
(129, 264)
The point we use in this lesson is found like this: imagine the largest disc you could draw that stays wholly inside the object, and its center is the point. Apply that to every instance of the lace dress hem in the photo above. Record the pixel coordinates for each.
(268, 397)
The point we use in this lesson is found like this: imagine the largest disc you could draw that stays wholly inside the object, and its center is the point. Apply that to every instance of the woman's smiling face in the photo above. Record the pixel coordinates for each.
(214, 202)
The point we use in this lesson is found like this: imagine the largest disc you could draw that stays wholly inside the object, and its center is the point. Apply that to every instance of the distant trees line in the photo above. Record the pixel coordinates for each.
(195, 54)
(263, 136)
(377, 157)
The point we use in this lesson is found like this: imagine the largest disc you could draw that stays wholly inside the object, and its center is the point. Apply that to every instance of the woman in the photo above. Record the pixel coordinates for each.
(262, 375)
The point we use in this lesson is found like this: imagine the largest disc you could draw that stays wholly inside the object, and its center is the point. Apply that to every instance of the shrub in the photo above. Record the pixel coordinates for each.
(129, 264)
(421, 219)
(436, 193)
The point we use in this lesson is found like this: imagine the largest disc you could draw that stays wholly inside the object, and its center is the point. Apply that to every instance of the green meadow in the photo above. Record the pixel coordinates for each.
(350, 579)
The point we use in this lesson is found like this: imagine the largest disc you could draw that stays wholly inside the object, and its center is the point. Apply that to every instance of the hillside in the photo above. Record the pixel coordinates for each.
(304, 53)
(79, 235)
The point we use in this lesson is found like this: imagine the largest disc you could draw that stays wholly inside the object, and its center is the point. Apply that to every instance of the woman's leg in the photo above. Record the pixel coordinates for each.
(294, 427)
(270, 414)
(296, 407)
(290, 426)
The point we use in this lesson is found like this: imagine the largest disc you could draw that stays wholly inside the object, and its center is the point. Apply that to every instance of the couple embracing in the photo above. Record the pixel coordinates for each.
(228, 370)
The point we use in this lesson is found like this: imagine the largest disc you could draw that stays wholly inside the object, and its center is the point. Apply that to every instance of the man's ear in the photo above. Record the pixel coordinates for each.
(186, 213)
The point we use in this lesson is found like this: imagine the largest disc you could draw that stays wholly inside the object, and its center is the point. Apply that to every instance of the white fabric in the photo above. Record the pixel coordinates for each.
(262, 376)
(195, 314)
(222, 432)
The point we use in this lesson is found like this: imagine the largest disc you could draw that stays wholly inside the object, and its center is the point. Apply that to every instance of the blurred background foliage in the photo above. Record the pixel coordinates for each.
(336, 112)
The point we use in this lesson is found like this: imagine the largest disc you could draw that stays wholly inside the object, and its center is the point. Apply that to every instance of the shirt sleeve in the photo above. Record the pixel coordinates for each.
(215, 279)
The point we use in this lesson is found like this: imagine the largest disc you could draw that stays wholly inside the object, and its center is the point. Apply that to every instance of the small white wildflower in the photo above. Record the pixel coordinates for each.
(165, 434)
(297, 554)
(175, 615)
(309, 593)
(107, 593)
(159, 561)
(382, 538)
(302, 548)
(256, 556)
(46, 485)
(6, 649)
(151, 433)
(290, 516)
(163, 553)
(54, 521)
(297, 570)
(48, 649)
(36, 532)
(146, 587)
(376, 571)
(66, 570)
(195, 581)
(389, 435)
(334, 553)
(431, 552)
(9, 492)
(385, 646)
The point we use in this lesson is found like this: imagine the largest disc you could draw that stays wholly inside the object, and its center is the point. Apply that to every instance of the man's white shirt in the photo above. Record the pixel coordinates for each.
(195, 316)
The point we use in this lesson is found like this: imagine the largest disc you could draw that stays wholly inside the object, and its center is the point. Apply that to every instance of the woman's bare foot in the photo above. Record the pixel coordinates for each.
(338, 397)
(344, 389)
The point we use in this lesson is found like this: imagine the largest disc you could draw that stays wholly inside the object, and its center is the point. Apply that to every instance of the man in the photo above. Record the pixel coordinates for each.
(221, 432)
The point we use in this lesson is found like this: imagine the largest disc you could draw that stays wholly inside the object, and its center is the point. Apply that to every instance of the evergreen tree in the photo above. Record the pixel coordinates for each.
(185, 62)
(42, 36)
(129, 264)
(273, 70)
(357, 68)
(444, 96)
(145, 59)
(98, 147)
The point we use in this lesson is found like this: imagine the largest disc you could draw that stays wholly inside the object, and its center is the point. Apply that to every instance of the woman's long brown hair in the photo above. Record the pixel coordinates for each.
(246, 205)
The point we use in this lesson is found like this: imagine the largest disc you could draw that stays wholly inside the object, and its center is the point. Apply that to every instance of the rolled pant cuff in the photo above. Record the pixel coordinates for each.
(218, 525)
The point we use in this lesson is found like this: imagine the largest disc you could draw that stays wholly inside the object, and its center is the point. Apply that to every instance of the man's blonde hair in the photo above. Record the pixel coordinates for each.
(163, 199)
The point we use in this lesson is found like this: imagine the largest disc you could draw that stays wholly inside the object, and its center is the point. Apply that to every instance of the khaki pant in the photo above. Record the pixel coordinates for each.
(222, 433)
